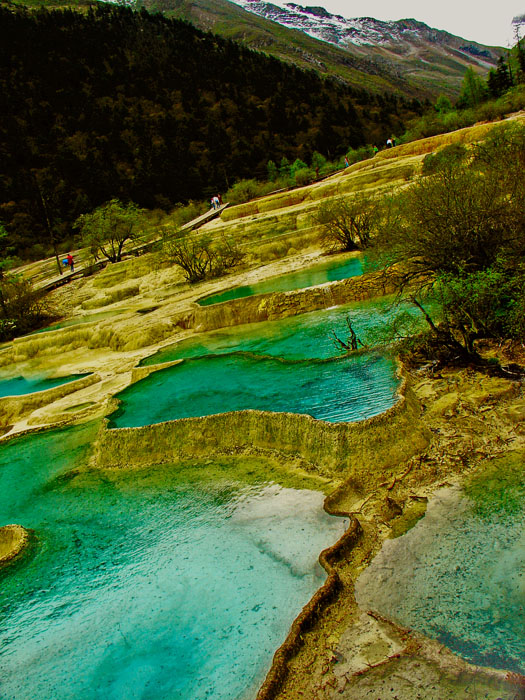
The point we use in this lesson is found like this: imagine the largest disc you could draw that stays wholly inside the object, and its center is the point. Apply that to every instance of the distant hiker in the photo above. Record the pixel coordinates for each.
(70, 262)
(389, 143)
(346, 162)
(220, 200)
(212, 202)
(375, 149)
(216, 203)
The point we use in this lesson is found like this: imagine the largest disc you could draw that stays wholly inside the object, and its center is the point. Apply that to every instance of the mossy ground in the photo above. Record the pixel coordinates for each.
(498, 486)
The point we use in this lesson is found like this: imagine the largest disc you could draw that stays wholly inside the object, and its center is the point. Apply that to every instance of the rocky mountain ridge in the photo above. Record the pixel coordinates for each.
(400, 44)
(364, 31)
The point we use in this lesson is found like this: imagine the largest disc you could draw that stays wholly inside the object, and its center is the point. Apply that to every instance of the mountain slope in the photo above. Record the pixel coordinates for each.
(406, 56)
(117, 103)
(233, 22)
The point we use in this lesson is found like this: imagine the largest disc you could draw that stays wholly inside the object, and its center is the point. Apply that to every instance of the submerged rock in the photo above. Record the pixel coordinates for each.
(13, 539)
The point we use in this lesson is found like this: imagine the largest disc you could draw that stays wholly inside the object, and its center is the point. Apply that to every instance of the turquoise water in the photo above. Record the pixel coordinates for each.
(300, 279)
(142, 585)
(346, 389)
(295, 338)
(17, 386)
(288, 365)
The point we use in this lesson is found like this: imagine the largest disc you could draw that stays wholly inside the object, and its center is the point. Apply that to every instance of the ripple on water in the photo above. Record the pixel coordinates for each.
(345, 389)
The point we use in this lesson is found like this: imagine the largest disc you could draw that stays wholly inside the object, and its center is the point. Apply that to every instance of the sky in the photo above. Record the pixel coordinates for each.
(485, 22)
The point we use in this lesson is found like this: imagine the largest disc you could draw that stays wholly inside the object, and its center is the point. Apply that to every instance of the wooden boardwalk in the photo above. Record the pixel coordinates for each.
(46, 285)
(190, 226)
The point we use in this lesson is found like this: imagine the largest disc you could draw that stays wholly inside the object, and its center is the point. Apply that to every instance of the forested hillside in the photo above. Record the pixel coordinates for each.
(116, 103)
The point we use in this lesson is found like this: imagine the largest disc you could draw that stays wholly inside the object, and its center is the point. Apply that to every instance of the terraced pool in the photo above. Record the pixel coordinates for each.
(17, 386)
(328, 271)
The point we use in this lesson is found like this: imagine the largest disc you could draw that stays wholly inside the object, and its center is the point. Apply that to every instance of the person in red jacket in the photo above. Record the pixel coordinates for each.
(70, 262)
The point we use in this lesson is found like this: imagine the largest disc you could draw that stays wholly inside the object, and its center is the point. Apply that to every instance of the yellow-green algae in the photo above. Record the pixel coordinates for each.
(498, 486)
(234, 469)
(410, 516)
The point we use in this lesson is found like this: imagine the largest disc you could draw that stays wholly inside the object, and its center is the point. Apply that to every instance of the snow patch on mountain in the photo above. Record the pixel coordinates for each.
(320, 24)
(403, 36)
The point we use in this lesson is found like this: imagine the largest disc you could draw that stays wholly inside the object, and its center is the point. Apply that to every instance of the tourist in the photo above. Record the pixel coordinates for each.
(70, 262)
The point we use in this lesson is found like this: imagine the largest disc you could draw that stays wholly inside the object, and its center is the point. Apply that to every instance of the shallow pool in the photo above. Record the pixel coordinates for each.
(457, 576)
(144, 584)
(328, 271)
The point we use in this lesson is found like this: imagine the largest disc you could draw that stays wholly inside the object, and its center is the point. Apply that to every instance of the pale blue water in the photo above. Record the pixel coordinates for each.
(17, 386)
(328, 271)
(143, 586)
(345, 389)
(461, 581)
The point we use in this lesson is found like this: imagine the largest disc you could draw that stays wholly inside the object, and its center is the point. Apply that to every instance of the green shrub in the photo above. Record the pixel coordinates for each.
(244, 190)
(303, 177)
(452, 154)
(22, 308)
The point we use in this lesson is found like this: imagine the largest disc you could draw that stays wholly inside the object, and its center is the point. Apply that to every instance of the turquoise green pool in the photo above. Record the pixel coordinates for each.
(142, 584)
(17, 386)
(345, 389)
(328, 271)
(289, 365)
(174, 582)
(295, 338)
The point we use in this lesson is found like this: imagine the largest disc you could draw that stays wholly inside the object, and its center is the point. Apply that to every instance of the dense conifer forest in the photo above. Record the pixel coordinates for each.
(117, 103)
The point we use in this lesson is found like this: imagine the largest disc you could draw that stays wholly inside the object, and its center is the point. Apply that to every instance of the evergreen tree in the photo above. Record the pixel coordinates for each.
(473, 90)
(499, 80)
(112, 103)
(284, 167)
(520, 50)
(443, 105)
(273, 173)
